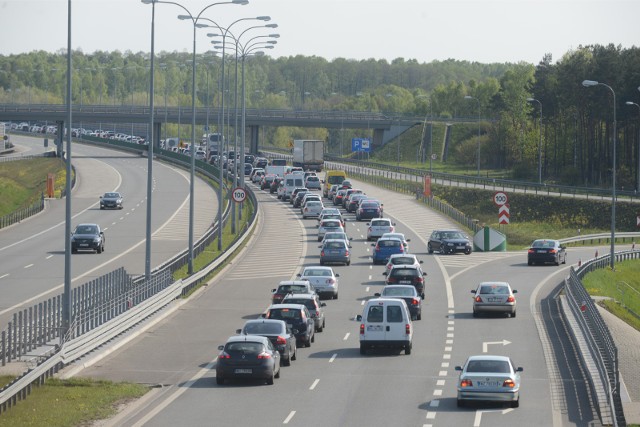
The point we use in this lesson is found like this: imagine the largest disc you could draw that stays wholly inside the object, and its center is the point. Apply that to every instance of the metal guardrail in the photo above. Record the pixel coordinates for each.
(602, 238)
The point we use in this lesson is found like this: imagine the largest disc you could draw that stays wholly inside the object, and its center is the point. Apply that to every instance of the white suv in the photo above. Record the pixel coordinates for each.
(377, 227)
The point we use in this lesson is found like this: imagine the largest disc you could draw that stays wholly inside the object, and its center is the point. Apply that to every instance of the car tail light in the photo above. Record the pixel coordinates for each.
(414, 301)
(224, 355)
(419, 280)
(377, 247)
(407, 329)
(306, 209)
(466, 383)
(478, 299)
(346, 253)
(531, 251)
(391, 280)
(511, 299)
(264, 355)
(509, 383)
(278, 296)
(330, 281)
(317, 313)
(369, 229)
(281, 340)
(391, 229)
(361, 328)
(553, 251)
(322, 253)
(401, 249)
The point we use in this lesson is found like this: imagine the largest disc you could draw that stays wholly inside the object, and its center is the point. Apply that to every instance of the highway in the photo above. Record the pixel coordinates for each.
(331, 384)
(32, 253)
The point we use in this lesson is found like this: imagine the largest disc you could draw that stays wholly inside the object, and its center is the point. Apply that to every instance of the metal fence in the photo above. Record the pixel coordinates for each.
(596, 333)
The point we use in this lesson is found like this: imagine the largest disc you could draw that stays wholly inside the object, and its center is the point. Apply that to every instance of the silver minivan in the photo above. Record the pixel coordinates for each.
(385, 322)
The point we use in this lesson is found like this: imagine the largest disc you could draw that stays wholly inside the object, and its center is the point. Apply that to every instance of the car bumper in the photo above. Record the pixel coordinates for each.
(326, 291)
(543, 259)
(385, 343)
(489, 308)
(256, 372)
(335, 259)
(493, 396)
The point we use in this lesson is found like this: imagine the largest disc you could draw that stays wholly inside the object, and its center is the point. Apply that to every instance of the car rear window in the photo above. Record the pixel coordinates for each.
(284, 313)
(498, 366)
(304, 301)
(335, 245)
(285, 289)
(402, 260)
(379, 223)
(404, 272)
(398, 292)
(245, 347)
(375, 314)
(493, 289)
(319, 272)
(389, 243)
(262, 328)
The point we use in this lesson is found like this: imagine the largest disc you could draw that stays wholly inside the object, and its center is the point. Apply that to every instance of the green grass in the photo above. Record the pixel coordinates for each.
(622, 285)
(73, 402)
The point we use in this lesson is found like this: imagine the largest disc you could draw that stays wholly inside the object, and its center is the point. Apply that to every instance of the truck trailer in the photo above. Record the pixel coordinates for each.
(308, 154)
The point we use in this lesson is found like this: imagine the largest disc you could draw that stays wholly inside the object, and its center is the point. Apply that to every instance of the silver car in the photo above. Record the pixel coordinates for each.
(494, 297)
(489, 378)
(323, 280)
(327, 226)
(312, 209)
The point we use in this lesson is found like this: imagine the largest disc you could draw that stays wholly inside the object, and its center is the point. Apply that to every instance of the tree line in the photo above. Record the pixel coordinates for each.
(574, 133)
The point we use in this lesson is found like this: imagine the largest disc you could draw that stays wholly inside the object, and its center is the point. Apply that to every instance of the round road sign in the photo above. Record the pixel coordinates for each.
(239, 194)
(500, 198)
(434, 156)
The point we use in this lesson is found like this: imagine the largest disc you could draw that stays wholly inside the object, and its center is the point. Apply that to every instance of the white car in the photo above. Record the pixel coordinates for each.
(377, 227)
(312, 209)
(323, 279)
(402, 259)
(401, 237)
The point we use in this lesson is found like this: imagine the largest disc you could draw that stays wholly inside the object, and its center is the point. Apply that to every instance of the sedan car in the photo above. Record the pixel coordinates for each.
(409, 294)
(248, 356)
(313, 304)
(323, 280)
(368, 209)
(378, 227)
(489, 378)
(298, 318)
(87, 237)
(543, 251)
(406, 275)
(312, 182)
(335, 252)
(311, 209)
(449, 242)
(327, 226)
(111, 200)
(337, 235)
(278, 332)
(494, 297)
(402, 259)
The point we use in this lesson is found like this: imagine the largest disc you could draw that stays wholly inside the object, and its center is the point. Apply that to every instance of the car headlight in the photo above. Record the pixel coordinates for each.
(449, 244)
(96, 240)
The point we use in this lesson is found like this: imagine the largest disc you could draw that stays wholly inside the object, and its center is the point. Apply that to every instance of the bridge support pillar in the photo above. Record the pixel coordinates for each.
(378, 138)
(254, 138)
(60, 138)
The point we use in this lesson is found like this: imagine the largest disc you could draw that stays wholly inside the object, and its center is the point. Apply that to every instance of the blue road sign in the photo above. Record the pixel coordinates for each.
(360, 144)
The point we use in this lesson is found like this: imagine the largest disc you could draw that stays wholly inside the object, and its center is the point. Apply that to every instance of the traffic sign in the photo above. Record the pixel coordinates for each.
(500, 198)
(239, 194)
(503, 214)
(360, 144)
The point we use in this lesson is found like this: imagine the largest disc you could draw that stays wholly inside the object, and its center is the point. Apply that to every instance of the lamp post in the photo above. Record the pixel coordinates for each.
(478, 101)
(591, 83)
(540, 142)
(638, 152)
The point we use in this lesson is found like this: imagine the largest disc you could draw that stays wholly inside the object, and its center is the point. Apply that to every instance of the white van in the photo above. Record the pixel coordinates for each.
(292, 181)
(385, 322)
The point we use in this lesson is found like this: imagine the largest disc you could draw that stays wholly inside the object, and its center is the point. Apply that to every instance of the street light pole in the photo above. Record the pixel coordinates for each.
(478, 101)
(540, 142)
(638, 152)
(591, 83)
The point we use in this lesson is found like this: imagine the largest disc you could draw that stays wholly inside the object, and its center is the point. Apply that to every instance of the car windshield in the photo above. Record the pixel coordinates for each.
(334, 245)
(303, 301)
(331, 224)
(494, 366)
(389, 243)
(453, 235)
(339, 236)
(263, 328)
(379, 223)
(244, 347)
(369, 205)
(312, 272)
(111, 195)
(294, 289)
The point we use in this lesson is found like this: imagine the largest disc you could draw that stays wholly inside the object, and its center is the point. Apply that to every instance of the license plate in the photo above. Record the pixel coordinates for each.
(459, 247)
(487, 383)
(337, 252)
(374, 328)
(405, 282)
(84, 244)
(493, 299)
(243, 371)
(542, 251)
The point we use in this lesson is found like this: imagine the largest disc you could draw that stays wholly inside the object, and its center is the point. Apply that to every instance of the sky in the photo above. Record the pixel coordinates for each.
(484, 31)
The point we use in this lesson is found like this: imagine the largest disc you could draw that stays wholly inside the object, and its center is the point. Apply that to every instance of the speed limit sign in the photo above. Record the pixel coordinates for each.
(239, 194)
(500, 198)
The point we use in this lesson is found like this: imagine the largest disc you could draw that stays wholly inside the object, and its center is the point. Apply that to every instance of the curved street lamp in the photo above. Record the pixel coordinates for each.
(591, 83)
(540, 142)
(478, 101)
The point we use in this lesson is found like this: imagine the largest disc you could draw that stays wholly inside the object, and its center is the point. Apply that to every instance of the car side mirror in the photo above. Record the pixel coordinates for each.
(385, 274)
(473, 291)
(263, 315)
(101, 197)
(350, 238)
(337, 274)
(238, 331)
(298, 275)
(373, 244)
(320, 246)
(520, 369)
(515, 291)
(377, 294)
(323, 304)
(408, 240)
(458, 368)
(421, 262)
(273, 291)
(220, 347)
(424, 274)
(295, 331)
(393, 223)
(359, 318)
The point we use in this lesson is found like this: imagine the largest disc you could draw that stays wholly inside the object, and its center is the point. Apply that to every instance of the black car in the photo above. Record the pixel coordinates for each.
(368, 209)
(449, 242)
(111, 200)
(406, 275)
(299, 195)
(248, 356)
(273, 188)
(298, 318)
(260, 162)
(409, 294)
(278, 332)
(87, 237)
(543, 251)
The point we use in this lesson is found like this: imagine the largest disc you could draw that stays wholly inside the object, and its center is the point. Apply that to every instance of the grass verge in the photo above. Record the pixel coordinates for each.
(74, 402)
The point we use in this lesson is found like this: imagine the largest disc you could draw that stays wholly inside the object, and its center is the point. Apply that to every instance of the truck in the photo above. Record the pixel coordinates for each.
(308, 154)
(213, 141)
(277, 170)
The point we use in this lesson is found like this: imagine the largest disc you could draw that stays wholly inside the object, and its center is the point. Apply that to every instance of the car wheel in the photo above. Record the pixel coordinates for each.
(407, 349)
(513, 314)
(295, 353)
(99, 249)
(419, 316)
(319, 239)
(348, 262)
(557, 261)
(101, 207)
(430, 249)
(475, 313)
(313, 338)
(363, 349)
(460, 403)
(219, 380)
(467, 252)
(270, 380)
(516, 403)
(335, 296)
(319, 329)
(277, 375)
(564, 260)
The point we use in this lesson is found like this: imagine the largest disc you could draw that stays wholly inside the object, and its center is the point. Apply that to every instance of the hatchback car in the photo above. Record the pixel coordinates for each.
(290, 287)
(278, 332)
(311, 209)
(378, 227)
(543, 251)
(265, 182)
(111, 200)
(353, 202)
(327, 226)
(312, 182)
(332, 191)
(313, 304)
(494, 297)
(449, 242)
(409, 294)
(385, 247)
(87, 237)
(406, 275)
(405, 241)
(337, 235)
(297, 196)
(323, 279)
(335, 252)
(337, 199)
(489, 378)
(402, 259)
(298, 318)
(248, 356)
